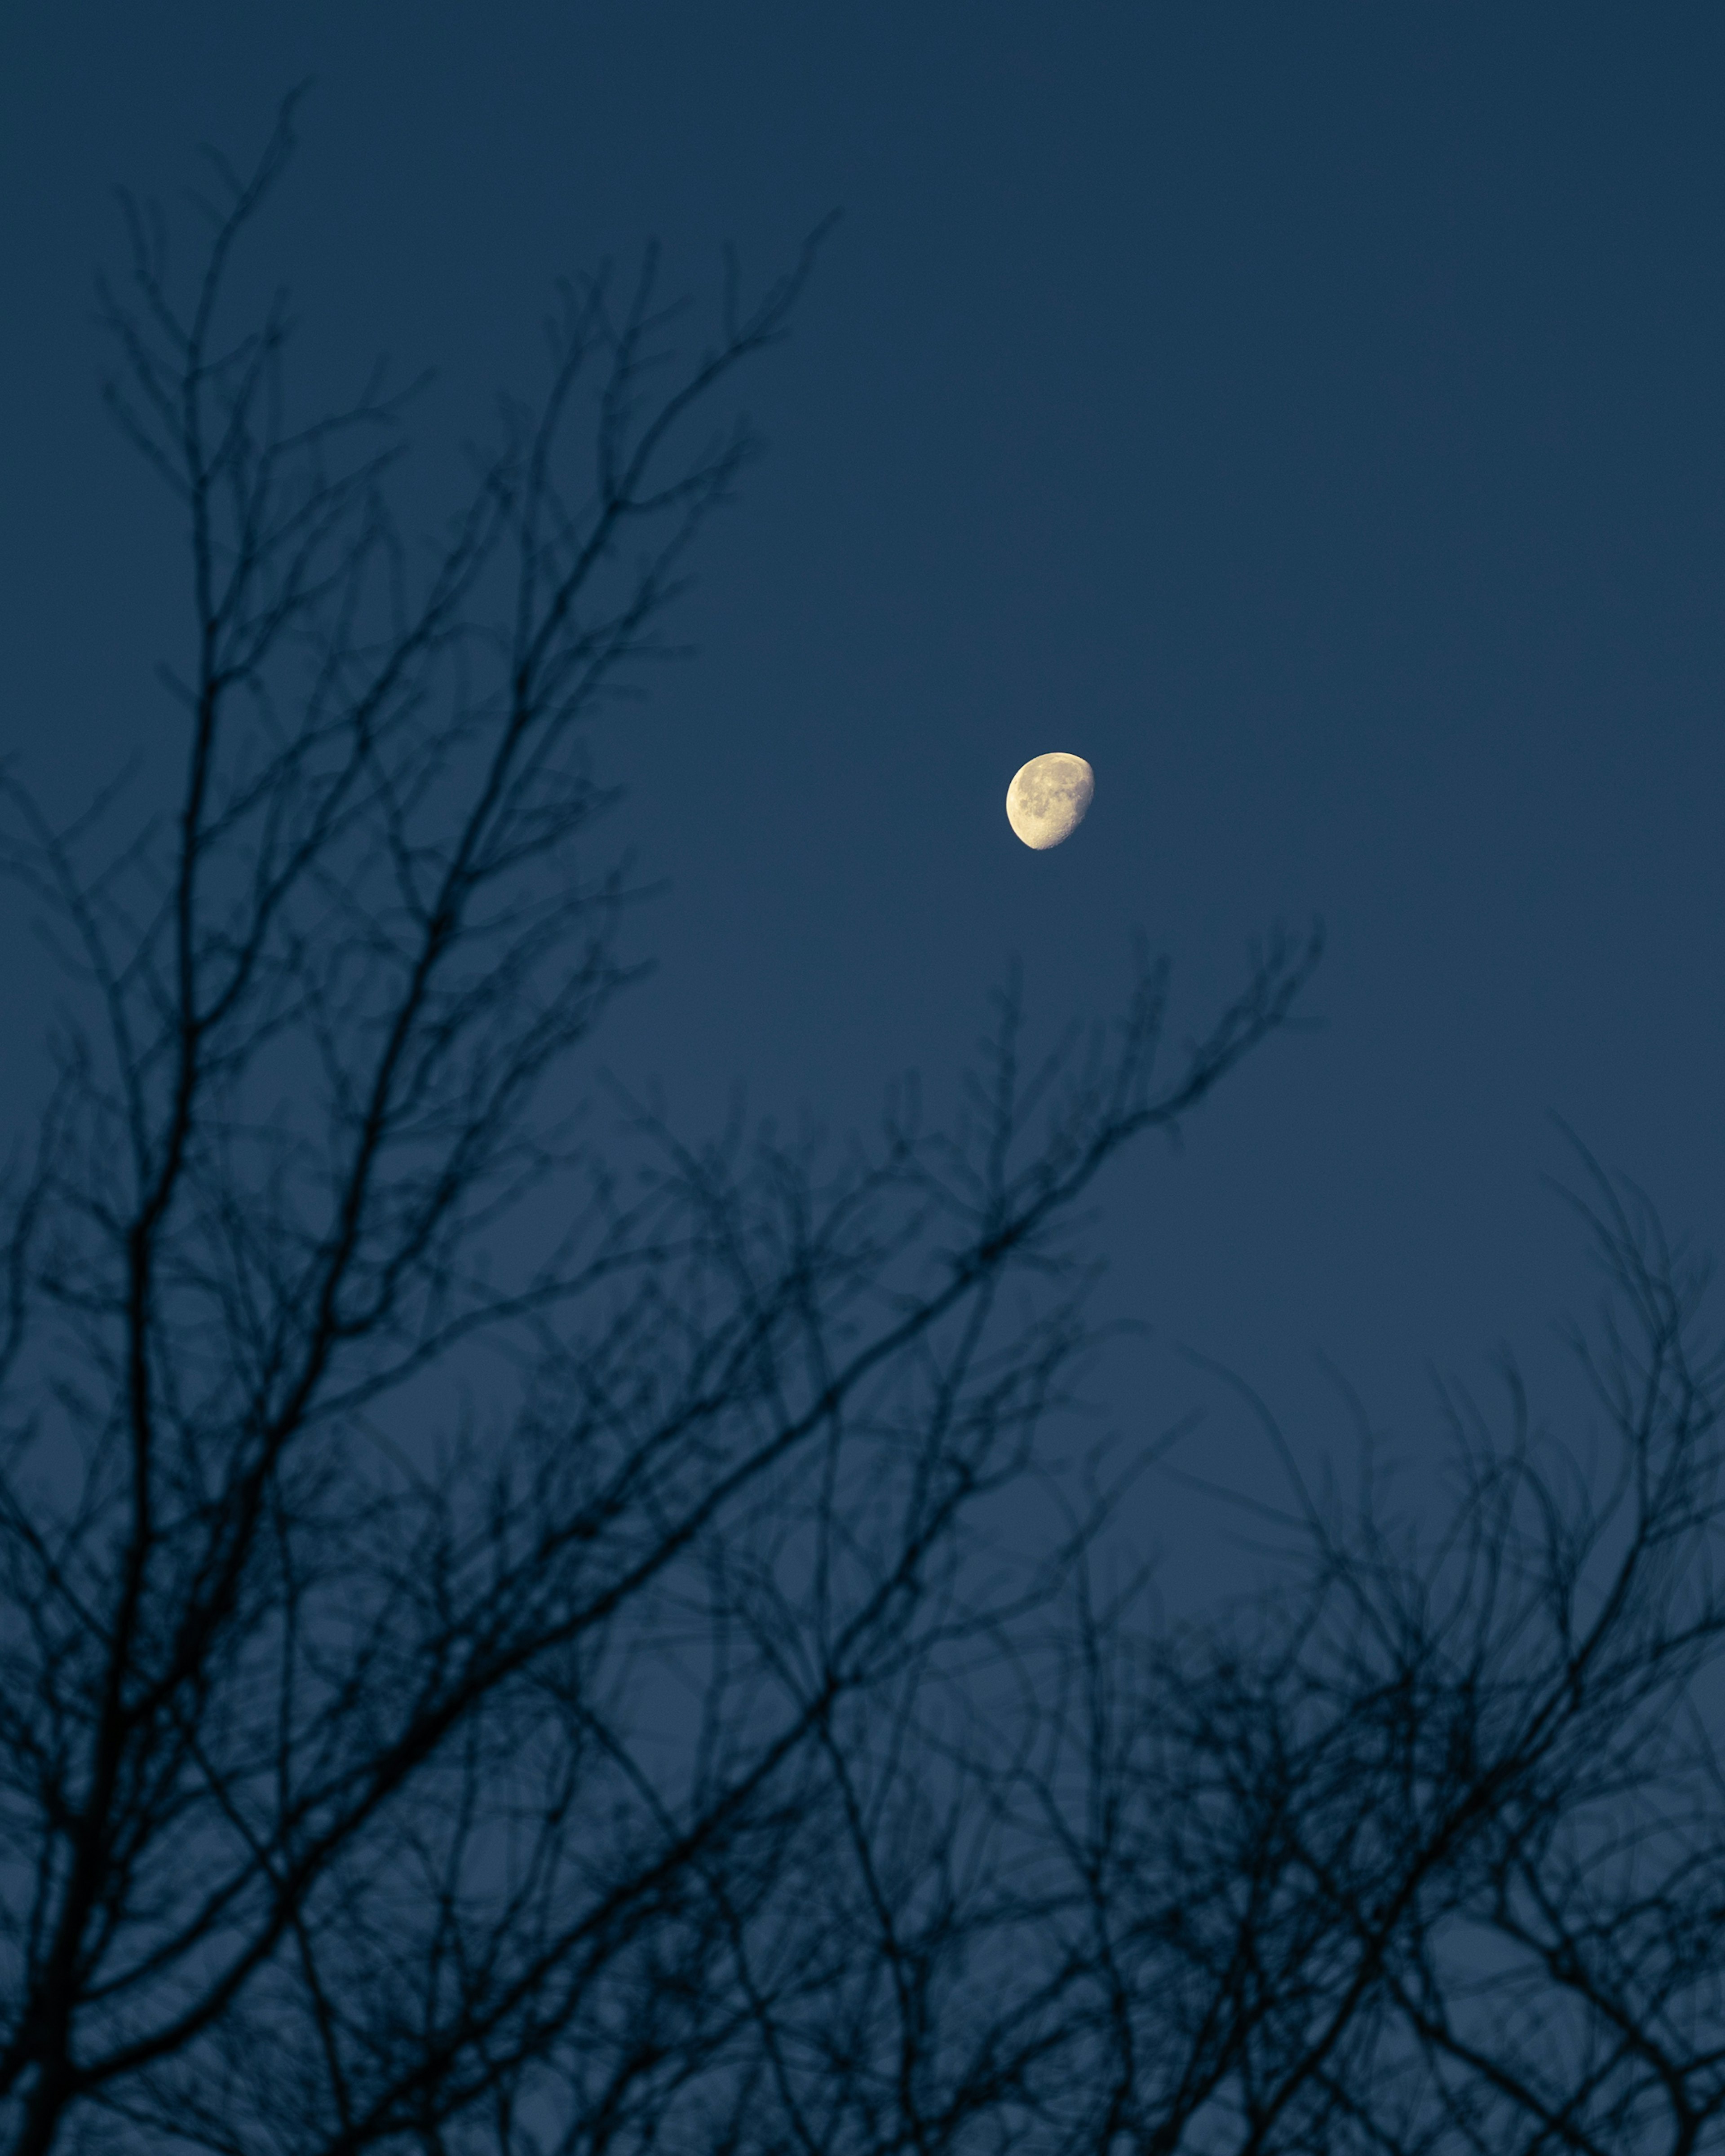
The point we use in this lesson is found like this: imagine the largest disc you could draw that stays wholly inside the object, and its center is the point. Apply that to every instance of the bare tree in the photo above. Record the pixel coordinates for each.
(504, 1648)
(445, 1690)
(1425, 1850)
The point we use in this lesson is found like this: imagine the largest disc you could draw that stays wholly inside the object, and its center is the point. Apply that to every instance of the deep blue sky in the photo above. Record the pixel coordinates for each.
(1313, 415)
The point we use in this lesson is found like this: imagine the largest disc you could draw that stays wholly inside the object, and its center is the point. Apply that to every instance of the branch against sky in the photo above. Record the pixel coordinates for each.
(331, 1802)
(507, 1646)
(1486, 1741)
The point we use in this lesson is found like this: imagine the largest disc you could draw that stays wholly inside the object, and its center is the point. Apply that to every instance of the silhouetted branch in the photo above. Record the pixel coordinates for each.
(498, 1656)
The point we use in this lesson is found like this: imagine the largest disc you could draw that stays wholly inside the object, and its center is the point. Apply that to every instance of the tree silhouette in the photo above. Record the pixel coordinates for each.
(503, 1647)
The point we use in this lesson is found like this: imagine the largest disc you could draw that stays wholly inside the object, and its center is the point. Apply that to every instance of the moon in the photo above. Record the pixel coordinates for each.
(1048, 798)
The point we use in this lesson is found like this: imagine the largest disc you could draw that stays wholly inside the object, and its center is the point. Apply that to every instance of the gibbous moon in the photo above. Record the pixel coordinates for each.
(1047, 800)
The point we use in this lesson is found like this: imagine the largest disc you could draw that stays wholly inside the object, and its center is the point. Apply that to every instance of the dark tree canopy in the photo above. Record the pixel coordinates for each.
(503, 1647)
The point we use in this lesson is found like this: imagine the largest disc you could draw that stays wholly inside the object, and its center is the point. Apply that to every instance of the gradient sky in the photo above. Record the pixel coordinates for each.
(1313, 415)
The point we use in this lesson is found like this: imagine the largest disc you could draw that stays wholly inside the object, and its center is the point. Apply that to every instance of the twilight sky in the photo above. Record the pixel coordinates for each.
(1314, 416)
